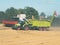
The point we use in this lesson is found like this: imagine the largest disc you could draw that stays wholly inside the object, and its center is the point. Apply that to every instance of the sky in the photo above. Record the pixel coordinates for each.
(46, 6)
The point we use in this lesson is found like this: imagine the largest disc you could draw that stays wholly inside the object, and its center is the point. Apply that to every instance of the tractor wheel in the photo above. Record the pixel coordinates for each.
(18, 28)
(26, 27)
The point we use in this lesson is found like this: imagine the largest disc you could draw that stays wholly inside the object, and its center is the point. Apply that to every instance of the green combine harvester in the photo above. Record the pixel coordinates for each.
(34, 24)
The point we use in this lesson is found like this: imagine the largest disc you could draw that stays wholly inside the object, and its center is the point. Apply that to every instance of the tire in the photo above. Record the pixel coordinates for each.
(18, 28)
(43, 28)
(26, 27)
(40, 28)
(34, 28)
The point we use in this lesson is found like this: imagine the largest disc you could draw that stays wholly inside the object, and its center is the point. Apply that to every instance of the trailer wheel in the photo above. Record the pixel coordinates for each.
(47, 29)
(40, 29)
(43, 28)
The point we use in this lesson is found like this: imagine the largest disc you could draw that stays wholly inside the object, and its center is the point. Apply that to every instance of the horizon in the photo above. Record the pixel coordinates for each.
(46, 6)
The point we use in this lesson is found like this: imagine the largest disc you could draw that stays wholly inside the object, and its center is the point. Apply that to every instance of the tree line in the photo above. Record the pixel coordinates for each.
(9, 13)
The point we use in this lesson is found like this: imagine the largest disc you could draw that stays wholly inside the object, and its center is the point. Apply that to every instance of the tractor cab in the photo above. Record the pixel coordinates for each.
(33, 24)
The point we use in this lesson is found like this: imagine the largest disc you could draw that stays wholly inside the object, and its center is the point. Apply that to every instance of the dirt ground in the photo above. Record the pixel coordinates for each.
(30, 37)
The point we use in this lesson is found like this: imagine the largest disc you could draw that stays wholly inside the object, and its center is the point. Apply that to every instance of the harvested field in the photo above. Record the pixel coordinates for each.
(30, 37)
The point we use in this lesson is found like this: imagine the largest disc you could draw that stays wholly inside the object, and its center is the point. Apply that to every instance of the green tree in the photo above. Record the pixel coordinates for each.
(2, 16)
(21, 11)
(42, 14)
(29, 11)
(11, 12)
